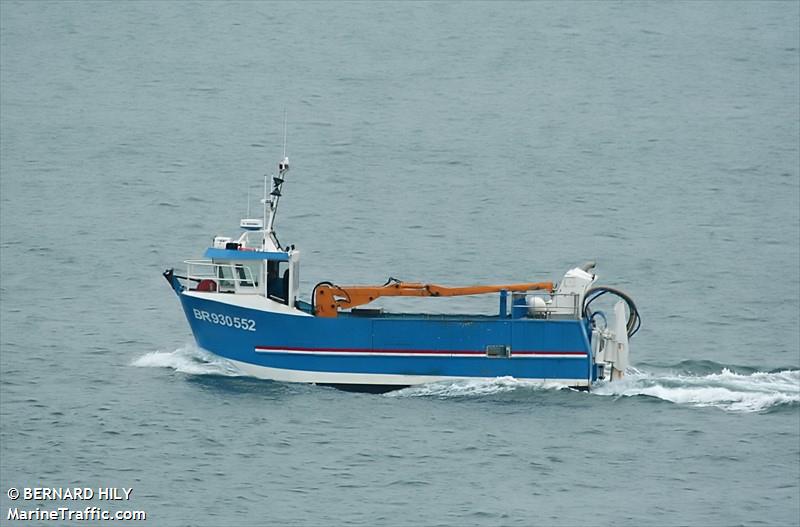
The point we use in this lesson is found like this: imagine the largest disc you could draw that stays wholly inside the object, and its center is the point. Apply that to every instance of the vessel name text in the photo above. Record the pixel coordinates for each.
(246, 324)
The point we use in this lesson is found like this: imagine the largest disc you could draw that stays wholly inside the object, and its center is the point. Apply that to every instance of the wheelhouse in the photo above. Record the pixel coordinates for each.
(244, 271)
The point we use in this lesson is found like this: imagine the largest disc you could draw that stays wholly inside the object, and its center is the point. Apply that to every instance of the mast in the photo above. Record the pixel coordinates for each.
(275, 195)
(265, 204)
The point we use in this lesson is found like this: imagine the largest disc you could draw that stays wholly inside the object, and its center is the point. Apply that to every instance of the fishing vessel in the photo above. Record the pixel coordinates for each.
(243, 303)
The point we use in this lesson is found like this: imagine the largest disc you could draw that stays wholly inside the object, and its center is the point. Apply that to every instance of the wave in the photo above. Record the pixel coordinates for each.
(188, 359)
(472, 388)
(705, 367)
(727, 390)
(731, 391)
(691, 383)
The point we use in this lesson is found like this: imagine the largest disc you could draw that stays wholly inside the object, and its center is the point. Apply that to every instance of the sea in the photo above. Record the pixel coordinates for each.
(445, 142)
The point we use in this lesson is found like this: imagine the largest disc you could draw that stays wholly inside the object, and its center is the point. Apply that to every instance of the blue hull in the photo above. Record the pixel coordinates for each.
(391, 350)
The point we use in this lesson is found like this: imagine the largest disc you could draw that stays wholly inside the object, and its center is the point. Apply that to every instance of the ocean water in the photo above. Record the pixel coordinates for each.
(454, 143)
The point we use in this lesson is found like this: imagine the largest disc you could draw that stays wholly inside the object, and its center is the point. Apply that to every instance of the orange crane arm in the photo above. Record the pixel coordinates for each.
(329, 298)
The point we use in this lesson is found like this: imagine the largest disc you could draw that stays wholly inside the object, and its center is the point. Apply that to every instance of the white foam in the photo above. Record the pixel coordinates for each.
(188, 359)
(472, 387)
(726, 390)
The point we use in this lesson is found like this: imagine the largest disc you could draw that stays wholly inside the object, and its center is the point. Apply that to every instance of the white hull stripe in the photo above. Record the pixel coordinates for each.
(324, 377)
(419, 353)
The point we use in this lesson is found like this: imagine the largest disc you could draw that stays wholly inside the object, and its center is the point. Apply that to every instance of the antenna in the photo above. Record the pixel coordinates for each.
(271, 200)
(264, 202)
(284, 131)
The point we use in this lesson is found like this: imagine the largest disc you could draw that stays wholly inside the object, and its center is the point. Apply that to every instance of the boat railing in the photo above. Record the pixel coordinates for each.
(221, 277)
(540, 304)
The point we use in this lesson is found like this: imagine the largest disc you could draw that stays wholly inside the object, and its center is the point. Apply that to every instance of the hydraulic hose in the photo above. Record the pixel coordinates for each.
(634, 320)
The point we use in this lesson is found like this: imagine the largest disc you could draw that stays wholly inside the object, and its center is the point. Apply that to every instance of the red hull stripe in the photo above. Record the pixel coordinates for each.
(419, 352)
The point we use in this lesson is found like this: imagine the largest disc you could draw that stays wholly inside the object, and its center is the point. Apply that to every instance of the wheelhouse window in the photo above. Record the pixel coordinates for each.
(226, 281)
(247, 274)
(278, 281)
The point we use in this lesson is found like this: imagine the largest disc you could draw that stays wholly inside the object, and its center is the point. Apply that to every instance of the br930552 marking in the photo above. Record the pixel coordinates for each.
(246, 324)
